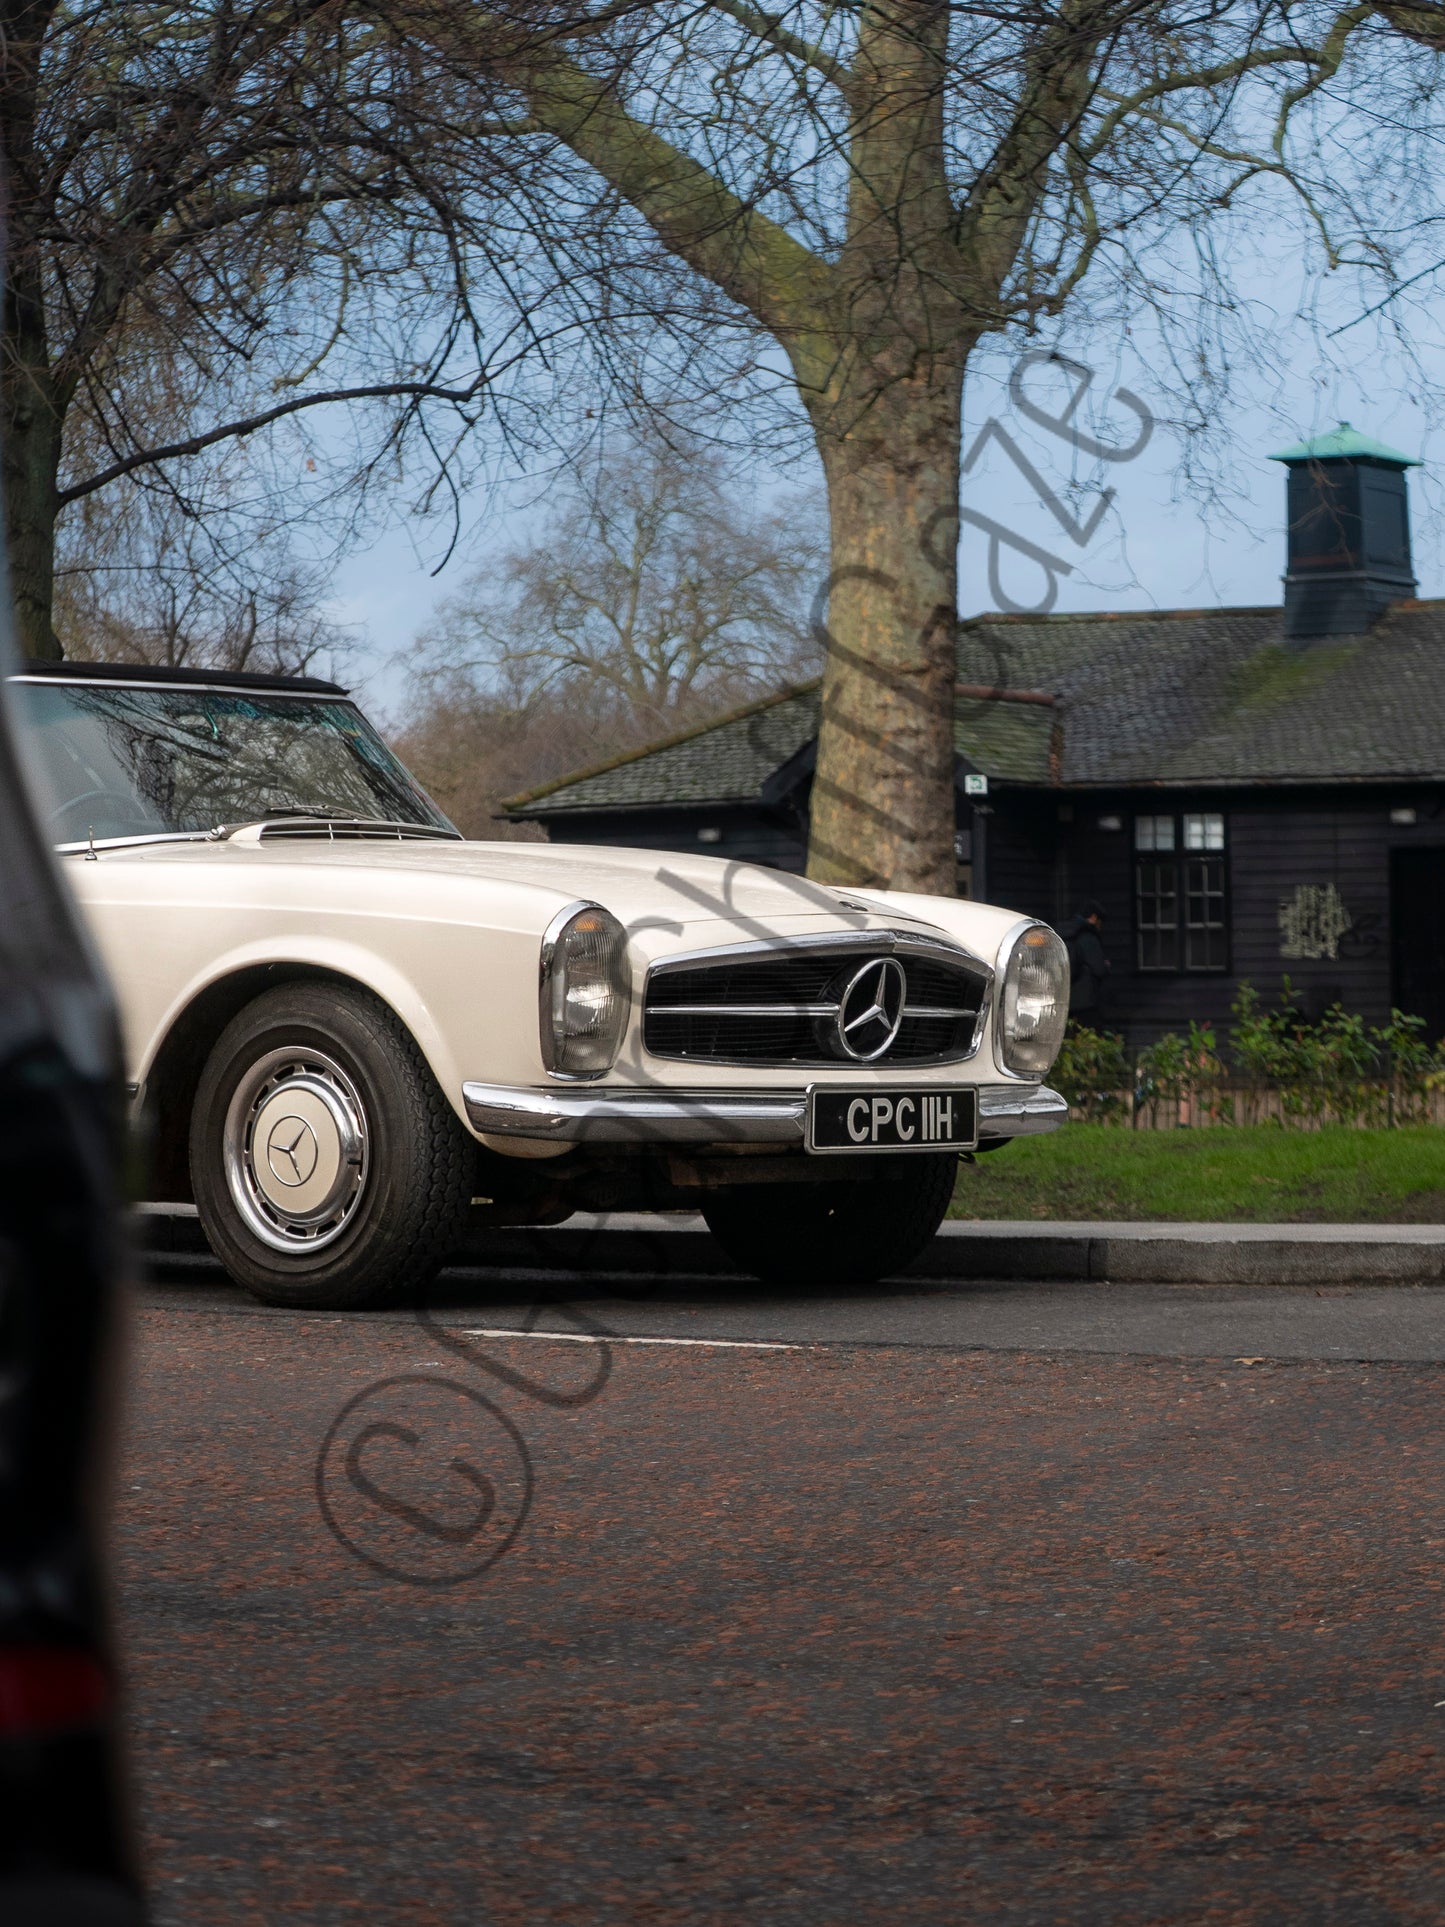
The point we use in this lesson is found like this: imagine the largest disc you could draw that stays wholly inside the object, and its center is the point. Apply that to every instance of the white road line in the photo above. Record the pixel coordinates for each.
(608, 1338)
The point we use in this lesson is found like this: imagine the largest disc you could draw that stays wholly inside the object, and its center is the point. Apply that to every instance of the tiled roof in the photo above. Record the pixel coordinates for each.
(1009, 741)
(1187, 696)
(723, 761)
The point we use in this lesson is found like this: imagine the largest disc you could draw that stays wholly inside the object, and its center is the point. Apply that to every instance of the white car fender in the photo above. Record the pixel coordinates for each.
(348, 960)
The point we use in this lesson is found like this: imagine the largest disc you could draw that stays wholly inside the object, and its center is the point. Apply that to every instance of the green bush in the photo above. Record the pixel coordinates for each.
(1278, 1066)
(1338, 1067)
(1175, 1066)
(1093, 1072)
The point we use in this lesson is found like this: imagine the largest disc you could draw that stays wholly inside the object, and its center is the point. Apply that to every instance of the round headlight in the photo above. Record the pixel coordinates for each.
(1035, 1001)
(584, 991)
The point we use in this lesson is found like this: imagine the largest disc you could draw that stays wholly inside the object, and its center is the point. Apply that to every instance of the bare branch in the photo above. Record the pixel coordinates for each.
(1418, 20)
(751, 258)
(1254, 164)
(1326, 66)
(1000, 206)
(1255, 60)
(249, 424)
(770, 29)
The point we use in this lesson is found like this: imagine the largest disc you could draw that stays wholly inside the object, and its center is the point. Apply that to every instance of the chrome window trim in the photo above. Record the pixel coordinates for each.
(220, 688)
(131, 842)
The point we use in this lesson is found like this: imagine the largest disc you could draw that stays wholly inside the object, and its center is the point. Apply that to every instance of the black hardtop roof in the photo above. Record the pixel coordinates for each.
(139, 672)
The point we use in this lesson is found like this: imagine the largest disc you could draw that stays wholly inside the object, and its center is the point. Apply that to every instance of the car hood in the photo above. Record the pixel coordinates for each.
(678, 888)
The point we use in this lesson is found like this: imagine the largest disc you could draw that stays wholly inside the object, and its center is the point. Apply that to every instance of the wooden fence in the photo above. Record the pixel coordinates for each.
(1296, 1107)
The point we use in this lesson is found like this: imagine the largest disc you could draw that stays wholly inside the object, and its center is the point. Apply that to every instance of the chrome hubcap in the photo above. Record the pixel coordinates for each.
(296, 1149)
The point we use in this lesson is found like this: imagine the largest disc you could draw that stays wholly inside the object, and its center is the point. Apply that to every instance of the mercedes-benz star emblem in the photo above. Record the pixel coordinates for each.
(292, 1151)
(871, 1009)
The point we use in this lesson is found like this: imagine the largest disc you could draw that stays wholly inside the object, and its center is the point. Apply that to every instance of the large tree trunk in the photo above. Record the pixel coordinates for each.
(882, 808)
(30, 437)
(888, 421)
(30, 454)
(31, 416)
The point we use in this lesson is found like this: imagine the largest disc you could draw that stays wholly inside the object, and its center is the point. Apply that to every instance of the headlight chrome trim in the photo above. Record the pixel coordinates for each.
(1022, 1057)
(552, 959)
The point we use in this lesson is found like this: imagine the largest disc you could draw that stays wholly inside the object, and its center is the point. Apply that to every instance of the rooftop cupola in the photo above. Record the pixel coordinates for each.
(1349, 533)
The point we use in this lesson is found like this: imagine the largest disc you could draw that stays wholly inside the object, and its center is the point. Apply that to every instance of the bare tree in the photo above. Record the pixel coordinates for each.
(877, 187)
(137, 580)
(220, 219)
(649, 586)
(469, 748)
(651, 594)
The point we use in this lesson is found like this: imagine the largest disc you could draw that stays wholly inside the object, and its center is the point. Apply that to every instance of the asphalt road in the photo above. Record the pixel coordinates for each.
(997, 1604)
(1330, 1321)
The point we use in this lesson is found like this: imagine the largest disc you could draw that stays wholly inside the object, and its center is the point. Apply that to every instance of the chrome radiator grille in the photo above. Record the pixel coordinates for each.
(890, 1000)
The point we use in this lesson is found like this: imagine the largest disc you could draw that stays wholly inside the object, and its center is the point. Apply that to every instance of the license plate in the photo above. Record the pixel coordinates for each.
(899, 1120)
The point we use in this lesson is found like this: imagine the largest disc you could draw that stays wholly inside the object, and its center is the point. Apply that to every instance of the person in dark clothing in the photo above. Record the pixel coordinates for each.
(1088, 960)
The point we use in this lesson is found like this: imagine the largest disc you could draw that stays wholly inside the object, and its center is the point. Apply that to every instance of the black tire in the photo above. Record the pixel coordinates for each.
(371, 1196)
(845, 1231)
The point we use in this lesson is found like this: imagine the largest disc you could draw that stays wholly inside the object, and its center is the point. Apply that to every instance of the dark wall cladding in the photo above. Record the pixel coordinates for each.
(1309, 869)
(1309, 872)
(746, 834)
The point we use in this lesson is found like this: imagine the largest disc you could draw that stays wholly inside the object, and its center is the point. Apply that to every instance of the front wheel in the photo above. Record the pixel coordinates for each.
(328, 1169)
(844, 1231)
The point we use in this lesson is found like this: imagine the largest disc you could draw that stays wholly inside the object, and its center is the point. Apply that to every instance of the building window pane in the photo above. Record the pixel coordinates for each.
(1153, 832)
(1181, 892)
(1157, 914)
(1205, 933)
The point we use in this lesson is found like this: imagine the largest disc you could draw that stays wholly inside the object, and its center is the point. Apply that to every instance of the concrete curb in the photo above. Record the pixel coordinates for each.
(1158, 1254)
(1194, 1254)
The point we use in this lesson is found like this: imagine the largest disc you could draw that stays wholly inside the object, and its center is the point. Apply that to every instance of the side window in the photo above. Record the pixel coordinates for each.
(1153, 832)
(1181, 892)
(1206, 924)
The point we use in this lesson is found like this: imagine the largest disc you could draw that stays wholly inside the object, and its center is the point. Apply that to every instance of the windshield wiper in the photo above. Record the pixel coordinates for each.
(314, 813)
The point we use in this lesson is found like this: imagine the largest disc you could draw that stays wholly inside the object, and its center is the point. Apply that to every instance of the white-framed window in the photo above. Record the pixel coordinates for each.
(1181, 891)
(1204, 830)
(1153, 832)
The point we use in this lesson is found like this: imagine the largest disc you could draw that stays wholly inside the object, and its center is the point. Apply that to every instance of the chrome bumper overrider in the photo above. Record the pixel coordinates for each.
(711, 1117)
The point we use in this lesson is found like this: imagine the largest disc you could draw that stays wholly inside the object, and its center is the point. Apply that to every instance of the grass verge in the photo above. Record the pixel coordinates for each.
(1240, 1174)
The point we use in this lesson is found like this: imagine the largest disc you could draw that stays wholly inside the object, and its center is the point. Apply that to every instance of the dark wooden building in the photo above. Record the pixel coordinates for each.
(1248, 793)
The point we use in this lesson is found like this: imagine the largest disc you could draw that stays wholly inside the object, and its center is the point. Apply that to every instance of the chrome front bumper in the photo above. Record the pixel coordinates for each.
(712, 1117)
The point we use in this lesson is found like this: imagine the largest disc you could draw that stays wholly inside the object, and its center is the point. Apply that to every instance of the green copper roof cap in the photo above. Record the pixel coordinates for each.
(1344, 444)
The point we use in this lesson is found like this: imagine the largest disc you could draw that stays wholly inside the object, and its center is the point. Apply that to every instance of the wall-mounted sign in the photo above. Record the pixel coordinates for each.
(975, 786)
(1312, 921)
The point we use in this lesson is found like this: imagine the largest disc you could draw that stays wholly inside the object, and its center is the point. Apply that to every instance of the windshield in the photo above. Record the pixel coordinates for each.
(120, 762)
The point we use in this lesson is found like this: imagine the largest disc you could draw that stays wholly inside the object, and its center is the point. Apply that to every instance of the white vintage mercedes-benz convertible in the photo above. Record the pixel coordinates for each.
(354, 1036)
